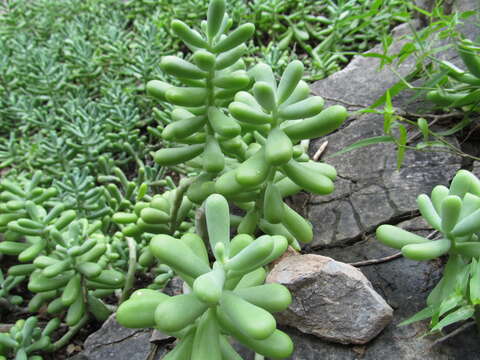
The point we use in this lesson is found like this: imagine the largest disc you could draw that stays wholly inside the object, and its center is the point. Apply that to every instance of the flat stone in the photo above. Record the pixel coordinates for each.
(372, 191)
(331, 300)
(116, 342)
(421, 172)
(333, 223)
(369, 202)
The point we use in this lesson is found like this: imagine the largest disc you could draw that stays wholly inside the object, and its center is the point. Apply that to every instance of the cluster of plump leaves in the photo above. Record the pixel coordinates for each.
(241, 133)
(465, 90)
(166, 213)
(226, 298)
(7, 284)
(26, 338)
(246, 145)
(455, 213)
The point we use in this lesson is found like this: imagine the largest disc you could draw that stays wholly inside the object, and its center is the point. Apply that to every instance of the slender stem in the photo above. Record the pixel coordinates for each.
(386, 258)
(132, 265)
(180, 192)
(65, 339)
(376, 261)
(453, 333)
(6, 306)
(201, 224)
(451, 147)
(477, 317)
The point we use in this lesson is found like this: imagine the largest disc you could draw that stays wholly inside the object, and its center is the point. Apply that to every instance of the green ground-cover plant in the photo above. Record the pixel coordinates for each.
(228, 297)
(65, 83)
(455, 213)
(241, 134)
(68, 261)
(26, 338)
(73, 60)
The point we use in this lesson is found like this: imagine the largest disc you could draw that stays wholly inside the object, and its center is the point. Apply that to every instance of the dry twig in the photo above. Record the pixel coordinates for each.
(386, 258)
(453, 333)
(320, 151)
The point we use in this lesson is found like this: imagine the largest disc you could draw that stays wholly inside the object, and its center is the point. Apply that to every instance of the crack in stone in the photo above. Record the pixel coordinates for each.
(395, 220)
(356, 216)
(385, 188)
(118, 341)
(135, 333)
(343, 102)
(316, 203)
(335, 226)
(343, 177)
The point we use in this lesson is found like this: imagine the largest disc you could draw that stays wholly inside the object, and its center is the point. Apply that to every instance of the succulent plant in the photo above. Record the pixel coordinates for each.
(245, 147)
(466, 92)
(226, 298)
(455, 213)
(25, 338)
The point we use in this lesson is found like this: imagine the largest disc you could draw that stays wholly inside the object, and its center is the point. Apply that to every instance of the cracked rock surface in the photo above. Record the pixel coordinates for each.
(115, 342)
(370, 191)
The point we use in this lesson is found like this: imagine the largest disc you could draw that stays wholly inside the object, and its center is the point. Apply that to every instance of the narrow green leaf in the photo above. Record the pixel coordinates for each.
(363, 143)
(462, 124)
(475, 282)
(421, 315)
(402, 141)
(450, 303)
(464, 313)
(395, 89)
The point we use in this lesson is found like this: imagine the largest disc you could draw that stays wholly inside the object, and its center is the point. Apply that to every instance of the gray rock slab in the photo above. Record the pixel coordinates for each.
(366, 81)
(370, 190)
(115, 342)
(331, 300)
